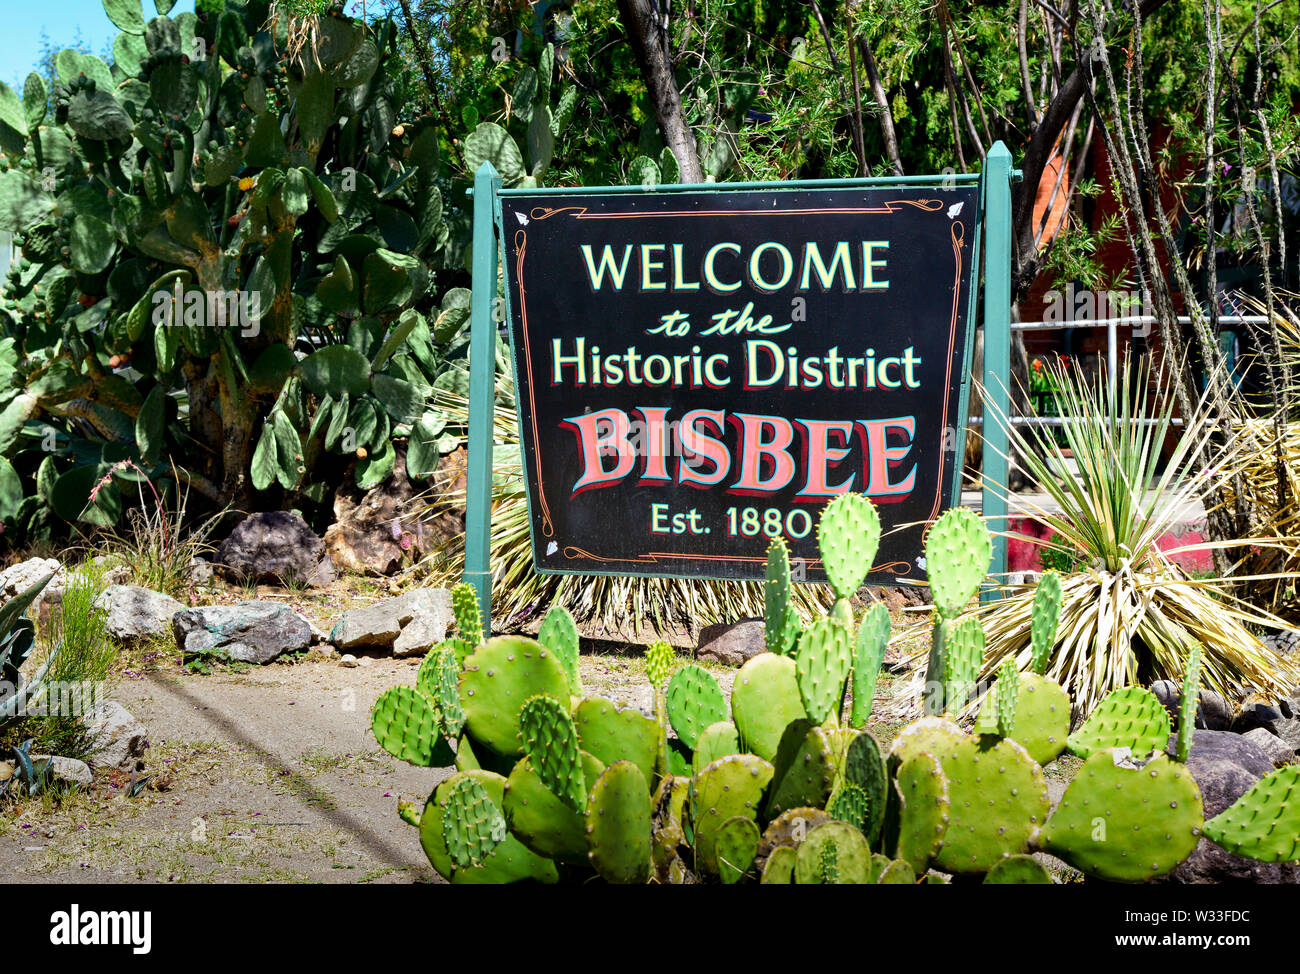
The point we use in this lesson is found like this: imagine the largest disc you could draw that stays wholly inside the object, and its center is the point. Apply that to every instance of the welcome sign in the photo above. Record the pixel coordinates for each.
(698, 371)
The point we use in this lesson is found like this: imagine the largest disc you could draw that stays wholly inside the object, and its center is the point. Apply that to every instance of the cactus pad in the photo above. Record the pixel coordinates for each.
(850, 804)
(1019, 871)
(897, 873)
(1191, 694)
(804, 768)
(735, 847)
(717, 741)
(848, 535)
(958, 550)
(1130, 717)
(822, 665)
(408, 726)
(1124, 821)
(780, 622)
(852, 855)
(659, 662)
(666, 821)
(464, 607)
(1042, 717)
(543, 823)
(1008, 695)
(790, 828)
(999, 802)
(618, 824)
(551, 742)
(463, 648)
(438, 679)
(929, 734)
(559, 634)
(612, 733)
(868, 655)
(764, 699)
(923, 809)
(1264, 823)
(864, 767)
(720, 791)
(694, 702)
(472, 824)
(1044, 616)
(497, 679)
(963, 655)
(778, 870)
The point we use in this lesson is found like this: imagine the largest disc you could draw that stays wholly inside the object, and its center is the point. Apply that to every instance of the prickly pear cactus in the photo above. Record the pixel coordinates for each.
(551, 743)
(924, 809)
(1130, 717)
(962, 659)
(780, 621)
(958, 549)
(1124, 820)
(694, 702)
(438, 679)
(618, 824)
(659, 662)
(559, 634)
(472, 825)
(850, 804)
(1264, 823)
(852, 856)
(464, 606)
(729, 787)
(1008, 696)
(764, 700)
(869, 655)
(848, 536)
(407, 725)
(1190, 700)
(735, 848)
(1019, 871)
(497, 679)
(822, 667)
(1044, 616)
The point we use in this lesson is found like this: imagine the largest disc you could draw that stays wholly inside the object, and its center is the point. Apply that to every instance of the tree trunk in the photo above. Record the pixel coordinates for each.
(649, 41)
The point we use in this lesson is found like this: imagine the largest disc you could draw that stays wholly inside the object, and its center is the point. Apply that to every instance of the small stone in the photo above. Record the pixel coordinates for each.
(67, 771)
(1279, 751)
(348, 660)
(116, 738)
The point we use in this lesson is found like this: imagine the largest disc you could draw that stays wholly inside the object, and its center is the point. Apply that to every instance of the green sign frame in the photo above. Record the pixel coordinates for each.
(992, 244)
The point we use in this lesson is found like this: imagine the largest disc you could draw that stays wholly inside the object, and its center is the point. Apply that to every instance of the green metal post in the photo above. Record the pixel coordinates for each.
(998, 175)
(482, 392)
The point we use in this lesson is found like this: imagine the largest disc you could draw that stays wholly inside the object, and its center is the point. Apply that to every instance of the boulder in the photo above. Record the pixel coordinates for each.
(390, 525)
(133, 614)
(1278, 751)
(16, 579)
(426, 611)
(1212, 711)
(1225, 766)
(117, 740)
(732, 643)
(248, 632)
(67, 771)
(275, 547)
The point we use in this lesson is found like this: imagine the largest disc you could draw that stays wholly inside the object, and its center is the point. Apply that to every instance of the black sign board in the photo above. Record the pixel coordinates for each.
(697, 371)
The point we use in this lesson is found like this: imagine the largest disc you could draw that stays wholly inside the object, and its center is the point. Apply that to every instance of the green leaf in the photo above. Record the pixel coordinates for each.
(323, 197)
(149, 424)
(289, 449)
(521, 105)
(491, 143)
(402, 399)
(541, 140)
(12, 112)
(265, 460)
(295, 193)
(335, 371)
(126, 15)
(375, 467)
(422, 452)
(396, 335)
(11, 490)
(92, 244)
(564, 111)
(34, 101)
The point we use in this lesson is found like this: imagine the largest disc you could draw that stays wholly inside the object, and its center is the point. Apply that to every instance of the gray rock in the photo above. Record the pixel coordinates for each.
(133, 614)
(1212, 711)
(381, 624)
(22, 576)
(1255, 715)
(117, 740)
(249, 632)
(1278, 751)
(67, 771)
(1225, 767)
(275, 547)
(733, 643)
(419, 635)
(1288, 732)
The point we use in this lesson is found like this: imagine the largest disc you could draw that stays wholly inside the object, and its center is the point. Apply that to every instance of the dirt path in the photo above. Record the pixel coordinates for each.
(265, 775)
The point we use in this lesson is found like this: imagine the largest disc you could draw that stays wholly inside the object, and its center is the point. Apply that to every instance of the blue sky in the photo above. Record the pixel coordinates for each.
(24, 20)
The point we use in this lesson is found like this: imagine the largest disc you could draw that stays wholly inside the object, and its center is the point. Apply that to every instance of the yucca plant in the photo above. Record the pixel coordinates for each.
(1129, 611)
(625, 606)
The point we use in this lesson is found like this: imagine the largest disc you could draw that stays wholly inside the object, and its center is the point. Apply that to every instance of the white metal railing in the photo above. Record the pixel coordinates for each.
(1112, 352)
